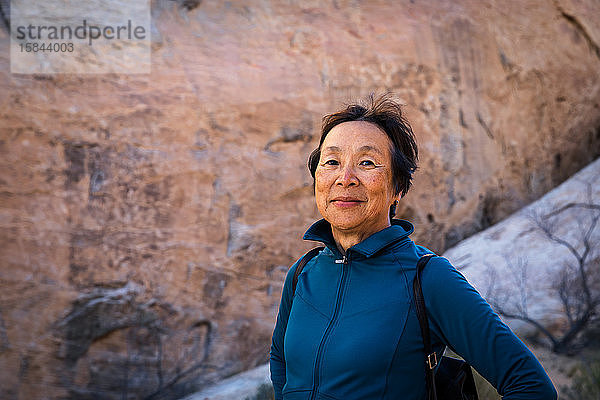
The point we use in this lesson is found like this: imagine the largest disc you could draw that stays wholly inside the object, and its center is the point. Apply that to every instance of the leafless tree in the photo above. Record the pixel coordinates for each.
(577, 283)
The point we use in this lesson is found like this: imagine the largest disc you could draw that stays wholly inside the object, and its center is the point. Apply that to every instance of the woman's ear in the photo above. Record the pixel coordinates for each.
(393, 209)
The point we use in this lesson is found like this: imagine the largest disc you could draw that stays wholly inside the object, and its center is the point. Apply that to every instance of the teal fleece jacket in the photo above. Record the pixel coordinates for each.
(350, 330)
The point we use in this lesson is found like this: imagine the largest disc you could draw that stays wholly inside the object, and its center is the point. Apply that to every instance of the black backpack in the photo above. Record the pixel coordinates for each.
(453, 379)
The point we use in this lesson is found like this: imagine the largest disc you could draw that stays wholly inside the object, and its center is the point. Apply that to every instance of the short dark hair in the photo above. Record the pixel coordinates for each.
(386, 113)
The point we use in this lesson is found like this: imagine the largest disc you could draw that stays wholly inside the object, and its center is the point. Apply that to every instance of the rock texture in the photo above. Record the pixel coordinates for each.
(147, 221)
(530, 264)
(249, 385)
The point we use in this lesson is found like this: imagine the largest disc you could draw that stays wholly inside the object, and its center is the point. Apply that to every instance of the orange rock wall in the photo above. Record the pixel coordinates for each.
(147, 221)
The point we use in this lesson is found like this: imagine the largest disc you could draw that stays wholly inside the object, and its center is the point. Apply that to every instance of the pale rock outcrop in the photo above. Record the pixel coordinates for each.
(147, 221)
(520, 264)
(254, 384)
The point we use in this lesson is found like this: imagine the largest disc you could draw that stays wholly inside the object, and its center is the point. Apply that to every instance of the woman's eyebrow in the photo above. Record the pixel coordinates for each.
(370, 148)
(333, 149)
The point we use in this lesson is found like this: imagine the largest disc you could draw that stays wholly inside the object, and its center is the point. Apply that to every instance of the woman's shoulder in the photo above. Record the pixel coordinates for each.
(441, 274)
(304, 261)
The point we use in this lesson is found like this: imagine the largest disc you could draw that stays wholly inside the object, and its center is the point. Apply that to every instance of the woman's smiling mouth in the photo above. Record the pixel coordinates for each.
(345, 201)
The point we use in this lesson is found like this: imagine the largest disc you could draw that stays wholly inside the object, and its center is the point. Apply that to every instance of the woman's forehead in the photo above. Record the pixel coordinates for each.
(358, 136)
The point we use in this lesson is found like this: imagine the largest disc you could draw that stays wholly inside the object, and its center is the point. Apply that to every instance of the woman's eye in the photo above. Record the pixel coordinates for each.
(331, 162)
(368, 163)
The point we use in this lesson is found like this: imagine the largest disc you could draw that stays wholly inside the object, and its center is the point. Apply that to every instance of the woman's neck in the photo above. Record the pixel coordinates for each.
(346, 239)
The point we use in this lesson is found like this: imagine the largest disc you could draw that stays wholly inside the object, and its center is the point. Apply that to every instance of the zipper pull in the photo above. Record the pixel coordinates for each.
(344, 260)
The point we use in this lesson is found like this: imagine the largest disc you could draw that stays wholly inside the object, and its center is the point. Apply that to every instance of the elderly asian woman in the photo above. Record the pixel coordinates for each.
(349, 329)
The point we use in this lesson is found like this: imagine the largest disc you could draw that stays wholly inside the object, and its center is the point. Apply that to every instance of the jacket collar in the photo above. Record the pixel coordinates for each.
(320, 231)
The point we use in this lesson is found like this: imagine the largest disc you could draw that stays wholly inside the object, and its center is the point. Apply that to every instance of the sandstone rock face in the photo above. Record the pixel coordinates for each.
(530, 264)
(147, 221)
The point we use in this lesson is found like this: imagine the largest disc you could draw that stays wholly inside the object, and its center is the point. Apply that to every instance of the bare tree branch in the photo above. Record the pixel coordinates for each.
(548, 232)
(563, 292)
(577, 284)
(571, 205)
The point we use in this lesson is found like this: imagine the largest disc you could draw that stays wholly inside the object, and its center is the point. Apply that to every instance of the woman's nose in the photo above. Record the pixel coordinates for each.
(347, 177)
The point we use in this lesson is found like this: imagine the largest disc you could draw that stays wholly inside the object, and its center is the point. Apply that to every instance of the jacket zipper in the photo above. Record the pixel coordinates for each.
(336, 311)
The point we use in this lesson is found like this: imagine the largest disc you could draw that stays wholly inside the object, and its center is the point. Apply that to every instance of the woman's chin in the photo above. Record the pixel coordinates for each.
(343, 224)
(352, 225)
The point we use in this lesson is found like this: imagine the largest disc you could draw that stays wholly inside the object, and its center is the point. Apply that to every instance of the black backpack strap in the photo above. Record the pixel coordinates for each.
(430, 356)
(305, 259)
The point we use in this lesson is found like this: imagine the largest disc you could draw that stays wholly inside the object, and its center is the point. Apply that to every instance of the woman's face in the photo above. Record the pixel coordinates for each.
(353, 181)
